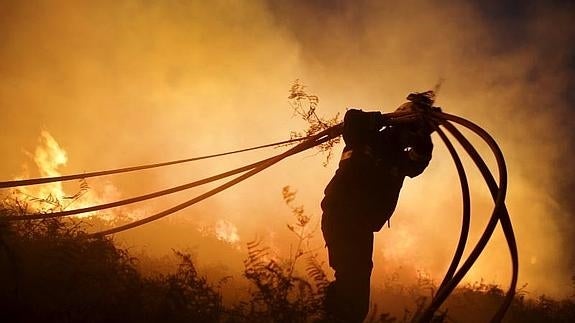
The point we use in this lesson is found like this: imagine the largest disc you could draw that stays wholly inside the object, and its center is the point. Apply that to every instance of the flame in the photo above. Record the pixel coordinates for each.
(227, 231)
(49, 157)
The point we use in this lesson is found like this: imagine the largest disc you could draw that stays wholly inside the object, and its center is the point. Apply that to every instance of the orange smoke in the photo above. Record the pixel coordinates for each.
(122, 83)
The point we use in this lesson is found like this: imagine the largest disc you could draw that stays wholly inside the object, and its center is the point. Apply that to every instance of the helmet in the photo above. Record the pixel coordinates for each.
(407, 107)
(418, 102)
(424, 98)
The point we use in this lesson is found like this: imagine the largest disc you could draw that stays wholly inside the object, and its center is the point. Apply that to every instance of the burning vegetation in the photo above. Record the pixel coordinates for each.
(54, 270)
(50, 272)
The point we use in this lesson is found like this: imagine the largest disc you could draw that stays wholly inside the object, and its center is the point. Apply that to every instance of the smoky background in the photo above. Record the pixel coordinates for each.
(120, 83)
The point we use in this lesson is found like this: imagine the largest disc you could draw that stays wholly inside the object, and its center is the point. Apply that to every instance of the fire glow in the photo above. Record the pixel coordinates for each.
(188, 84)
(49, 158)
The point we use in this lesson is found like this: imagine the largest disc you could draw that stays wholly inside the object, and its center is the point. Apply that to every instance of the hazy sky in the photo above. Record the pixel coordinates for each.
(119, 83)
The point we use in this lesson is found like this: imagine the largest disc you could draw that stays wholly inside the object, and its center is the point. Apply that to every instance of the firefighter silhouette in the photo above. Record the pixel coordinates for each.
(362, 196)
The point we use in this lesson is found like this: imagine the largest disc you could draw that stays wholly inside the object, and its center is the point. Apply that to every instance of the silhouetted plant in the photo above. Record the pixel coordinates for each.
(50, 272)
(305, 106)
(280, 294)
(187, 297)
(46, 204)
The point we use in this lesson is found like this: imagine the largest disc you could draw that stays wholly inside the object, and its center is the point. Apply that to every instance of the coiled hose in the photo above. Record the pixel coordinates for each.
(452, 277)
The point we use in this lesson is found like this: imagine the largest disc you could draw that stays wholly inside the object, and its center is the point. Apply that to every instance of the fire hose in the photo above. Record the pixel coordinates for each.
(45, 180)
(499, 213)
(434, 117)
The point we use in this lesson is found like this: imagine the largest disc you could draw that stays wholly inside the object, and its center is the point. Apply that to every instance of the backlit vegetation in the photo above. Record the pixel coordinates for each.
(50, 272)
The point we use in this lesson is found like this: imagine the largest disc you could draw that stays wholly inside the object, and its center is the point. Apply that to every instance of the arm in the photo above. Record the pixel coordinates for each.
(417, 152)
(359, 127)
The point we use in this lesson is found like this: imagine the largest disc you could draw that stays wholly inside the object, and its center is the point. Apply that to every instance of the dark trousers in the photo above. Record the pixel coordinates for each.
(350, 254)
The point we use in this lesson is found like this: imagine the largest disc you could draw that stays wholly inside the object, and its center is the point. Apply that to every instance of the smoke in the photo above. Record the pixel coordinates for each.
(128, 82)
(510, 74)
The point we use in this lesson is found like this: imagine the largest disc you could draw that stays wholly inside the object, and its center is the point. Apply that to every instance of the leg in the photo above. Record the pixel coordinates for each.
(350, 253)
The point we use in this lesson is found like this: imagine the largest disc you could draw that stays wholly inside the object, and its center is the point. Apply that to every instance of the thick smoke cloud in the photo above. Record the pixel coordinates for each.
(506, 67)
(126, 82)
